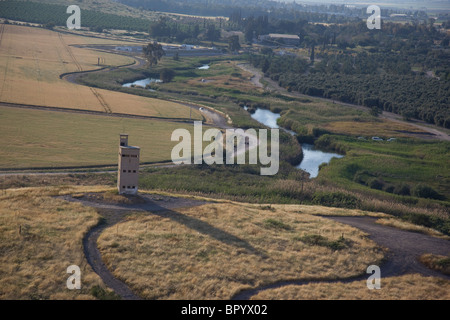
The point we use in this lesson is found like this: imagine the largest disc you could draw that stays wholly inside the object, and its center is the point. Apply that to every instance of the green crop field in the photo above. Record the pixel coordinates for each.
(35, 138)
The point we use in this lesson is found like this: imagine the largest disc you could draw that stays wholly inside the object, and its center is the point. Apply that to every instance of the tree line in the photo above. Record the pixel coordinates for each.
(53, 14)
(403, 69)
(166, 29)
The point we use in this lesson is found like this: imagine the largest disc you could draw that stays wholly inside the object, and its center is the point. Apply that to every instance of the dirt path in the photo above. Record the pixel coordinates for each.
(93, 257)
(256, 78)
(404, 247)
(273, 86)
(113, 213)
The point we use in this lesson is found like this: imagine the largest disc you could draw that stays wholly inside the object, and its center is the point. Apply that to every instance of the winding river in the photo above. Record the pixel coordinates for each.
(312, 158)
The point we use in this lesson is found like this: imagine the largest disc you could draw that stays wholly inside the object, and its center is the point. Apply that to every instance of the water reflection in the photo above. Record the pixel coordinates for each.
(266, 117)
(141, 83)
(312, 158)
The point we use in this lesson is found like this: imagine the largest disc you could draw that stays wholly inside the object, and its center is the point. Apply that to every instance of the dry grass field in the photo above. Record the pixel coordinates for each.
(436, 262)
(382, 128)
(32, 59)
(209, 252)
(404, 225)
(407, 287)
(37, 138)
(40, 237)
(384, 219)
(216, 250)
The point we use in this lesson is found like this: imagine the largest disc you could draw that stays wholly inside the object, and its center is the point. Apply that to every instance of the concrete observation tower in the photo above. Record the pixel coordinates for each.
(128, 173)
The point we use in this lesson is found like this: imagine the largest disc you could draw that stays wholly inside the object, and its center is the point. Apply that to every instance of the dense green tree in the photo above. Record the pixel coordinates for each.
(153, 52)
(233, 43)
(212, 33)
(166, 75)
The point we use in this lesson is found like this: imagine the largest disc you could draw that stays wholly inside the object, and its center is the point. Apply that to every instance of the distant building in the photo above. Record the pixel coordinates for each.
(288, 39)
(187, 46)
(128, 172)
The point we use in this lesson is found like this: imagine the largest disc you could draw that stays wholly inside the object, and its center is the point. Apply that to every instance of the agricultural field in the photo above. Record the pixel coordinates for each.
(62, 139)
(32, 59)
(98, 15)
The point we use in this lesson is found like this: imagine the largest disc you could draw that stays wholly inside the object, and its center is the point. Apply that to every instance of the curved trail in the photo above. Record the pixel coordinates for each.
(404, 247)
(93, 257)
(113, 214)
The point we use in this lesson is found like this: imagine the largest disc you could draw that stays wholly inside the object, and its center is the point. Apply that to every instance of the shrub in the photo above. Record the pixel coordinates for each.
(439, 224)
(402, 190)
(167, 75)
(389, 188)
(318, 240)
(102, 294)
(336, 199)
(375, 183)
(276, 224)
(314, 240)
(423, 191)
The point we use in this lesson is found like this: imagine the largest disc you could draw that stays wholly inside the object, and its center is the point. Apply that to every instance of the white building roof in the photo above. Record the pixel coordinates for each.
(285, 36)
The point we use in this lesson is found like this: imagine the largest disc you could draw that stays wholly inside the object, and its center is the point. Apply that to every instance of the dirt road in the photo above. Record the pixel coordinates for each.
(404, 247)
(113, 213)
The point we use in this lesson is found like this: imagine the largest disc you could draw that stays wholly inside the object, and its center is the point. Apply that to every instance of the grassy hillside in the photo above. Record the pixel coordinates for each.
(407, 287)
(40, 237)
(216, 250)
